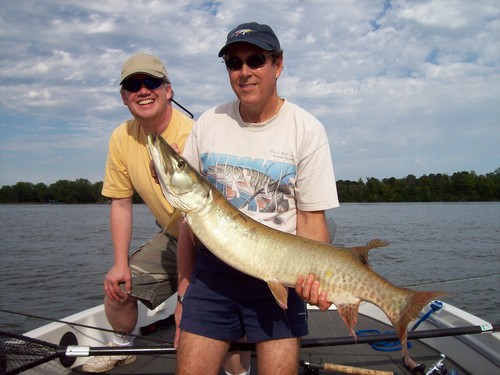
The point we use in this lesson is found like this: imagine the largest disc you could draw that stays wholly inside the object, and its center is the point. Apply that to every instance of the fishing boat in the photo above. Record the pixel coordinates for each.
(446, 340)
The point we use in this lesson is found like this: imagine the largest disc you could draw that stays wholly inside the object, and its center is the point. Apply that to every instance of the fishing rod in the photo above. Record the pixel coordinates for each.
(468, 278)
(14, 341)
(370, 339)
(73, 324)
(22, 353)
(312, 368)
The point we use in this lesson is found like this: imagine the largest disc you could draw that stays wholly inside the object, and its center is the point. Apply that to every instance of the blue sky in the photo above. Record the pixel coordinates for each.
(402, 87)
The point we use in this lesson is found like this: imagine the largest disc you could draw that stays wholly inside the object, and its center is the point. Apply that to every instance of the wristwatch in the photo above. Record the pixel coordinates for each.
(180, 298)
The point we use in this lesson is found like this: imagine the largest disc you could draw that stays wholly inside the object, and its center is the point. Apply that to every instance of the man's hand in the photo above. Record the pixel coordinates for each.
(112, 281)
(309, 290)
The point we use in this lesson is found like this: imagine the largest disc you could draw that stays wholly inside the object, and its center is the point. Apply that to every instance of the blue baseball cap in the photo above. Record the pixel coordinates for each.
(259, 35)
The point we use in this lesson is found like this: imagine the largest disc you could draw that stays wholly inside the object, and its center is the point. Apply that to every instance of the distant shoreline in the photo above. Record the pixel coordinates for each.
(459, 187)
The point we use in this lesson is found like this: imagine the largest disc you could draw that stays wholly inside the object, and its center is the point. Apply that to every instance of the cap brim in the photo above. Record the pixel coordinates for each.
(152, 73)
(257, 43)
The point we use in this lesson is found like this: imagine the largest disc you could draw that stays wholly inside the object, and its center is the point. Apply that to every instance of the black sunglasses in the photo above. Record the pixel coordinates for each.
(253, 61)
(135, 84)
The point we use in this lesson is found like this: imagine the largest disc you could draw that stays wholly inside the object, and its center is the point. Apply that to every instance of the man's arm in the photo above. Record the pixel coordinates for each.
(185, 264)
(121, 234)
(185, 256)
(312, 225)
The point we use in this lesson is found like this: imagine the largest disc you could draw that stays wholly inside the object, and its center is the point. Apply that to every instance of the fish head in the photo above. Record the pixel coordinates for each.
(183, 187)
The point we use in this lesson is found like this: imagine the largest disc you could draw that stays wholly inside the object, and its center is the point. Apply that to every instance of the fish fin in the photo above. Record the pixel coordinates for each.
(280, 293)
(349, 314)
(362, 251)
(415, 304)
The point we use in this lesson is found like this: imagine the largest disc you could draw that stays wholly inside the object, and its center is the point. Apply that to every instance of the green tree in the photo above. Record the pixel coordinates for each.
(495, 176)
(83, 190)
(463, 185)
(96, 192)
(64, 192)
(373, 190)
(42, 193)
(24, 192)
(393, 189)
(440, 187)
(424, 189)
(411, 188)
(7, 194)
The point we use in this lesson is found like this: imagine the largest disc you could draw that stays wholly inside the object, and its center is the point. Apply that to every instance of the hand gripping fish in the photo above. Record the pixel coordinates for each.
(279, 258)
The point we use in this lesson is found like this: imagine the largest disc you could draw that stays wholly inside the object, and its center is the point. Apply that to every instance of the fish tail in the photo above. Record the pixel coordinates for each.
(415, 304)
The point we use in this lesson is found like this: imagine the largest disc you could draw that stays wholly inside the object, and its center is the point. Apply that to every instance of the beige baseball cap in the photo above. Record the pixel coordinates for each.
(143, 63)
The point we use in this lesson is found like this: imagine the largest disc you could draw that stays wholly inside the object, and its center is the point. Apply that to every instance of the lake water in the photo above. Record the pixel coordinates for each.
(54, 257)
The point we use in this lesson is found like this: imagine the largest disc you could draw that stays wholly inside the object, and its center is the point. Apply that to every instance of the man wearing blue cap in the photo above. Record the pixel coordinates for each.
(271, 159)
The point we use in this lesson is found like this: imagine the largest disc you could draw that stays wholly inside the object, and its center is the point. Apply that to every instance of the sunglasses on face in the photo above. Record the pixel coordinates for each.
(135, 84)
(253, 61)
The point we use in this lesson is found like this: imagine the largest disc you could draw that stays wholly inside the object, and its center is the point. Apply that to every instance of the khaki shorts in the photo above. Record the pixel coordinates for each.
(154, 270)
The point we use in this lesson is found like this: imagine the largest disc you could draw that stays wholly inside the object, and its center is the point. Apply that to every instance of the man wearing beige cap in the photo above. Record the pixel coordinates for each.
(150, 273)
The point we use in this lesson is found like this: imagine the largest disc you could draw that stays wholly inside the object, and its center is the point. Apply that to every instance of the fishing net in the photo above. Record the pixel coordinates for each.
(19, 353)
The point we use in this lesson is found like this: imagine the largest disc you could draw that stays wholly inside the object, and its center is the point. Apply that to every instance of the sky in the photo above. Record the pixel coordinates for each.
(402, 87)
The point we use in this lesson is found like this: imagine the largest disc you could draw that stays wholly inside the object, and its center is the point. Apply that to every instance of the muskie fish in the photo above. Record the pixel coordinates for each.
(279, 258)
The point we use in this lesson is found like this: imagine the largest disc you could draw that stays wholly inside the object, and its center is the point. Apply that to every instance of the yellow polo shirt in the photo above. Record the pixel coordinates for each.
(127, 165)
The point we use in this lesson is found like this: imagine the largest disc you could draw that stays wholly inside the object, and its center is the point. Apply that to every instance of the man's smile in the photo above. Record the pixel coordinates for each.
(145, 101)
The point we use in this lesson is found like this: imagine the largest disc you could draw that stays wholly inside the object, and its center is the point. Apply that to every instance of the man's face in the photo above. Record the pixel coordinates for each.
(147, 104)
(253, 86)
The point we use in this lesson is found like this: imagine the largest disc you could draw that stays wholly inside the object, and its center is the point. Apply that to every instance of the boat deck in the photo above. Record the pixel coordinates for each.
(323, 325)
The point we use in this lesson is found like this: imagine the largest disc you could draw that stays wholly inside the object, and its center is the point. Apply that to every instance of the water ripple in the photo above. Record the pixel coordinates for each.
(54, 257)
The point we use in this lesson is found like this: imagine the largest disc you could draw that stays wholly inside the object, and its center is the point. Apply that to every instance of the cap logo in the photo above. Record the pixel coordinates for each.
(241, 32)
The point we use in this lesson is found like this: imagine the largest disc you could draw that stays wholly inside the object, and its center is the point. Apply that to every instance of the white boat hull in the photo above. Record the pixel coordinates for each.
(96, 317)
(477, 354)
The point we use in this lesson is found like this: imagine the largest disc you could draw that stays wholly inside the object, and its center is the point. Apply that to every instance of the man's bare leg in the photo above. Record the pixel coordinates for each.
(278, 357)
(198, 355)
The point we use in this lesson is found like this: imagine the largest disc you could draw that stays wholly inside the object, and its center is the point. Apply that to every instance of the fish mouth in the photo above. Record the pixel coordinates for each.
(154, 144)
(168, 156)
(178, 181)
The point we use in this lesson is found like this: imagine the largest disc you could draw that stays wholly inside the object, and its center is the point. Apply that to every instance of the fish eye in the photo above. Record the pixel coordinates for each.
(181, 164)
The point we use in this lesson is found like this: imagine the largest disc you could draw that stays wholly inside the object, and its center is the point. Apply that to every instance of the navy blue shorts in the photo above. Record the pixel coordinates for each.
(225, 304)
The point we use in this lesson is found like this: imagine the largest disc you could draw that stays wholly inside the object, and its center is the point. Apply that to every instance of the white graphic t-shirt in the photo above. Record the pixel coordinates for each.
(266, 170)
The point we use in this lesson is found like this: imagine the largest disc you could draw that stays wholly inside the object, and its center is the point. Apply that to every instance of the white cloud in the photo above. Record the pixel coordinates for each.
(402, 87)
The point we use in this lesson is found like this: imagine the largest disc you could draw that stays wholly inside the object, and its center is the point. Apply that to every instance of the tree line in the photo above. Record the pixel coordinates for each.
(459, 187)
(80, 191)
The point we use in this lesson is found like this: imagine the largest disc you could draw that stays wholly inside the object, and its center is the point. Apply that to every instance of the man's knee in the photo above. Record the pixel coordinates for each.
(125, 303)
